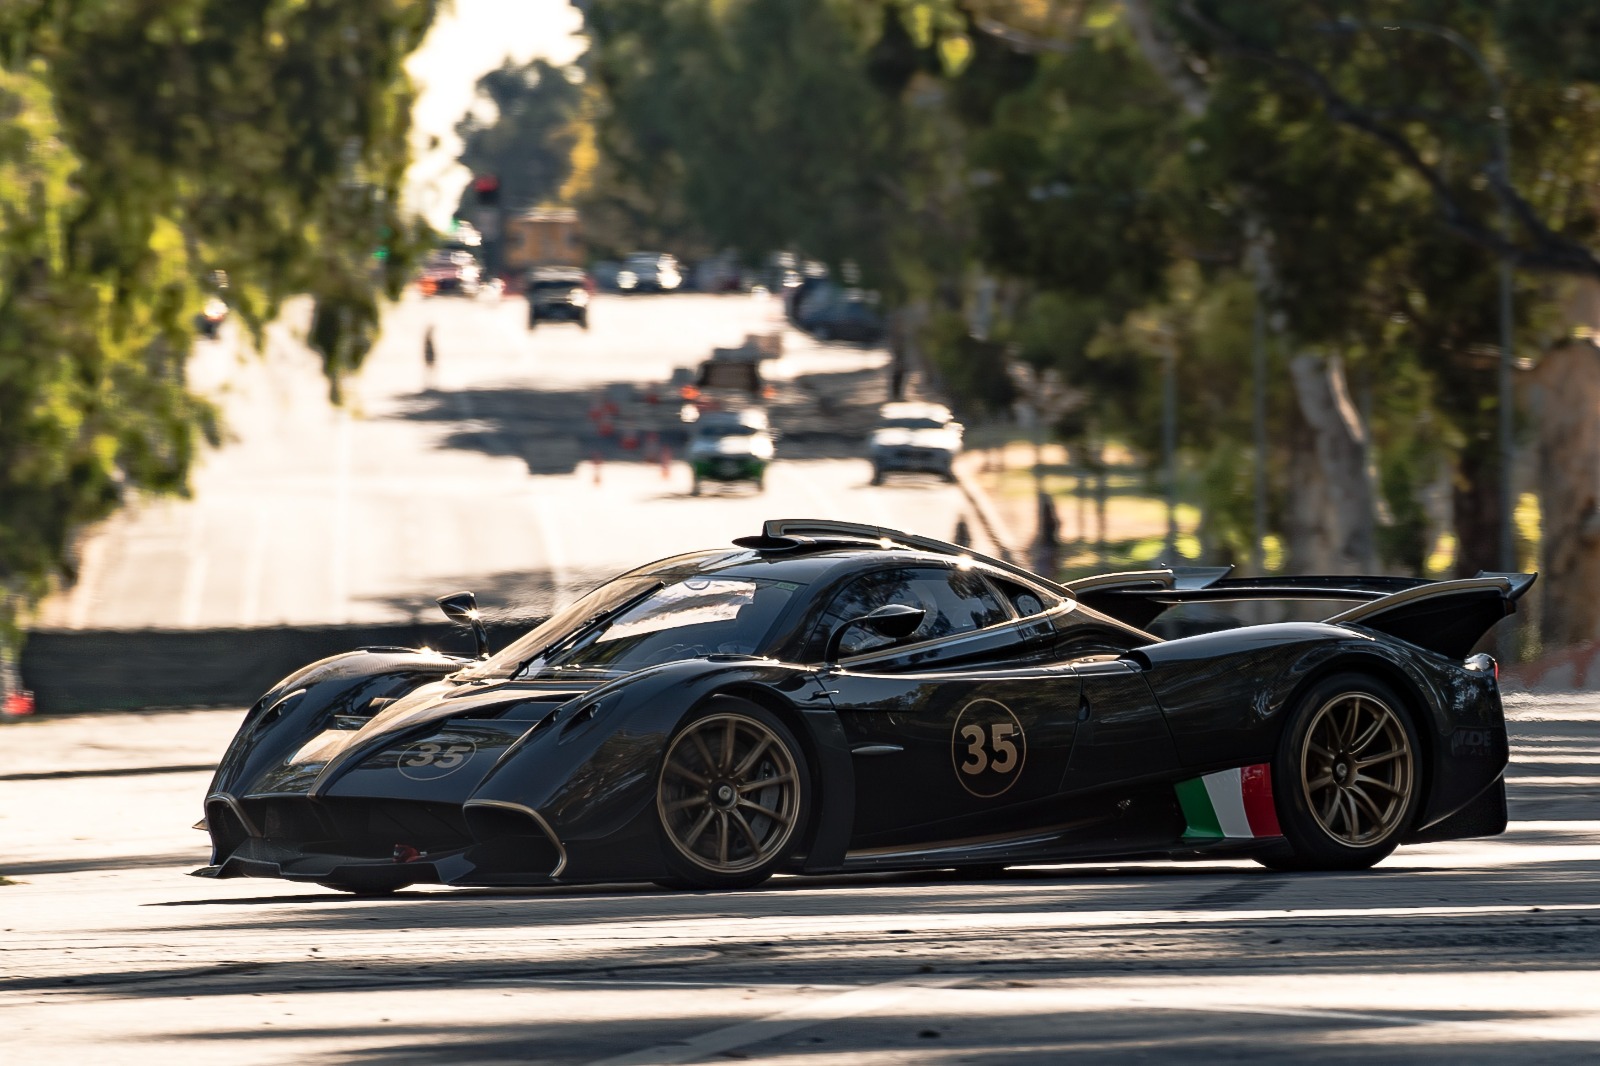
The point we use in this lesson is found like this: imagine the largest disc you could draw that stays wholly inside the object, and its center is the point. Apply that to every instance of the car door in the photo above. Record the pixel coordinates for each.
(949, 741)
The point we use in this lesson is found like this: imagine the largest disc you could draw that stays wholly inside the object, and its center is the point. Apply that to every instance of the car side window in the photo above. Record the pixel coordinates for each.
(1025, 600)
(953, 601)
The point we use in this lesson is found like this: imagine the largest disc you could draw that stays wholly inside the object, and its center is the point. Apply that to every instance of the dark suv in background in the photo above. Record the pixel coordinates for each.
(557, 295)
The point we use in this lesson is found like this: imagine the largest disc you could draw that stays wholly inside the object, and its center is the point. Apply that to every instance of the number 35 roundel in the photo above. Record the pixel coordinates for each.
(988, 748)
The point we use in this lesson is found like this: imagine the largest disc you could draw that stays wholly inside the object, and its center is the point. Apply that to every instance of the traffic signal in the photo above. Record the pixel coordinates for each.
(486, 187)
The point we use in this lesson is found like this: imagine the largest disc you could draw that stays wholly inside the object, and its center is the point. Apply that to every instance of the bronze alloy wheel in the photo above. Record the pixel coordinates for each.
(1357, 769)
(729, 794)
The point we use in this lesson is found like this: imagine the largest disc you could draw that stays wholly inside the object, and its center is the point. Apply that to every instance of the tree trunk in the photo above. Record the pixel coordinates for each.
(1567, 391)
(1475, 507)
(1330, 515)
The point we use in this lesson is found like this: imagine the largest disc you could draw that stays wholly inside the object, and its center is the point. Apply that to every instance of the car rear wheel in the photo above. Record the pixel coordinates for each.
(731, 796)
(1347, 776)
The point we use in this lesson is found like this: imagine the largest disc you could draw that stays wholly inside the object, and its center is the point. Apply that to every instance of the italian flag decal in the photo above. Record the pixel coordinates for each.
(1230, 804)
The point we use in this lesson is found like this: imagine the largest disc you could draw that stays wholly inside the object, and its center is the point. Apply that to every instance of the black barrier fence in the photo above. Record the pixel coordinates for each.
(114, 670)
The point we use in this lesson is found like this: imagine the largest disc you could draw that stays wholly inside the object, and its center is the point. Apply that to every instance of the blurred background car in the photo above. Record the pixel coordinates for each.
(829, 311)
(724, 383)
(649, 272)
(451, 273)
(730, 446)
(914, 438)
(557, 294)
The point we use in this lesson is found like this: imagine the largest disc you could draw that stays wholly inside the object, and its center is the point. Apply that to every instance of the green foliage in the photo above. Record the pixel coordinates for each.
(973, 372)
(529, 141)
(768, 125)
(144, 144)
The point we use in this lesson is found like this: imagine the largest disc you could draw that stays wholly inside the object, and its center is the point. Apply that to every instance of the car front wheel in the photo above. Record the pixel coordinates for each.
(731, 796)
(1346, 777)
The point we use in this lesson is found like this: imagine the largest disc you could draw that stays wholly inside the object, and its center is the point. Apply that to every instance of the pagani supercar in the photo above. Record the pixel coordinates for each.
(829, 696)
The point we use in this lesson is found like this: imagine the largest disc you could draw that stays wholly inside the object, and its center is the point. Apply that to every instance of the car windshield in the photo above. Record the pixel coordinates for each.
(555, 286)
(684, 620)
(561, 626)
(911, 423)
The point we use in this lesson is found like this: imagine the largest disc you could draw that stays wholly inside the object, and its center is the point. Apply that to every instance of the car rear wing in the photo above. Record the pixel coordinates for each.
(1446, 616)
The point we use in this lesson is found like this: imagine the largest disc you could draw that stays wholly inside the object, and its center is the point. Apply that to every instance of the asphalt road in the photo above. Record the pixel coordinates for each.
(481, 474)
(1478, 951)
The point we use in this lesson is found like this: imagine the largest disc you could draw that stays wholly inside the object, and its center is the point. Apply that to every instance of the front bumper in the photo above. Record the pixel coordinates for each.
(380, 843)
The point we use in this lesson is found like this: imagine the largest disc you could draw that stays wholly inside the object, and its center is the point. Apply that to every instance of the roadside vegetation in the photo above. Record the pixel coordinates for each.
(144, 146)
(1105, 192)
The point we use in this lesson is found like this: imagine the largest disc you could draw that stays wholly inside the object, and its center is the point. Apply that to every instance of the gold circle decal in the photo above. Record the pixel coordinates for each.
(987, 748)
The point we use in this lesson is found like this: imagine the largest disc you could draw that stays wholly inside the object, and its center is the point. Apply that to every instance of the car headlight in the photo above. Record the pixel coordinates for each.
(577, 297)
(627, 279)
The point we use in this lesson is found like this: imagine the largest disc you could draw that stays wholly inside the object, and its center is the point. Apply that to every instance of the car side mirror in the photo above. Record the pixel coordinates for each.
(462, 609)
(893, 620)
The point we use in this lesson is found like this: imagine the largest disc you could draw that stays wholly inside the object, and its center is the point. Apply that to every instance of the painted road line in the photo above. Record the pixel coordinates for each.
(857, 1001)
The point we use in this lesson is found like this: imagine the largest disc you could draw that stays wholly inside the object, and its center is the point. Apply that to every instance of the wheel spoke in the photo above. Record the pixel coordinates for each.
(763, 782)
(1320, 750)
(1351, 718)
(1320, 783)
(705, 752)
(1361, 742)
(754, 806)
(722, 837)
(699, 827)
(1328, 810)
(1363, 779)
(1354, 821)
(1388, 756)
(684, 804)
(750, 760)
(680, 770)
(749, 834)
(728, 739)
(1378, 820)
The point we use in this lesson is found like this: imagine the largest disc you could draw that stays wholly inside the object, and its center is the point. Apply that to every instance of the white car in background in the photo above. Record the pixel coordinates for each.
(914, 438)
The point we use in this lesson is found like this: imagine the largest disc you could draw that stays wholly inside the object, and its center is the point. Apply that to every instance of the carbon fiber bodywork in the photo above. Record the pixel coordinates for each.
(386, 767)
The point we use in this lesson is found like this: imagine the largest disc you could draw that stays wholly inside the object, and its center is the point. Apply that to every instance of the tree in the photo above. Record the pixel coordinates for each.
(528, 142)
(152, 142)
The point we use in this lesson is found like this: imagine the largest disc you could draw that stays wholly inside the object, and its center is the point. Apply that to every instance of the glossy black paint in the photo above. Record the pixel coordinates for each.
(1053, 736)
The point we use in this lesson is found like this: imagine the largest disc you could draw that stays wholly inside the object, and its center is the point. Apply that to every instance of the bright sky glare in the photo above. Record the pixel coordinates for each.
(468, 39)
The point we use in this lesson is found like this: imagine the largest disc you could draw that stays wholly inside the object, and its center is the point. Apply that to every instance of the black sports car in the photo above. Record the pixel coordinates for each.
(828, 696)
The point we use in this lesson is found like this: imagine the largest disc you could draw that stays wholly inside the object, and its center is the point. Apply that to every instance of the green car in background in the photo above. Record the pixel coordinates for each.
(730, 446)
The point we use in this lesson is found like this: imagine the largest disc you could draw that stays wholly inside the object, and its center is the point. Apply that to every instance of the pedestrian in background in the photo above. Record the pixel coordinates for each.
(428, 357)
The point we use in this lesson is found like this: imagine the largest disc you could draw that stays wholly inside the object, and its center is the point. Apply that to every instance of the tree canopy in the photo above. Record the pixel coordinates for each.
(145, 144)
(1142, 178)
